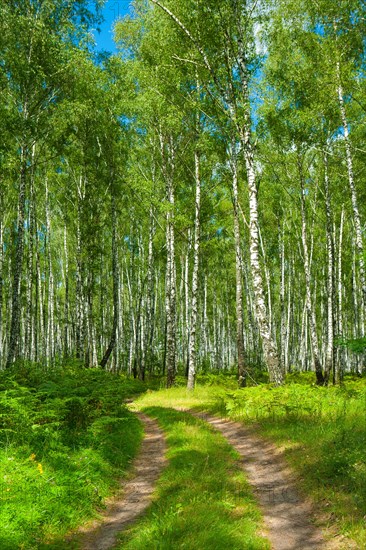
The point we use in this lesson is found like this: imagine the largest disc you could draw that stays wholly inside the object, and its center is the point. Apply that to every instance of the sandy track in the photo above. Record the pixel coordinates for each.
(288, 517)
(135, 494)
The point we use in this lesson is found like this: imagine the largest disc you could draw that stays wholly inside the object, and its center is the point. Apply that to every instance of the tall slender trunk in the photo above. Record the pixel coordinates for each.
(187, 298)
(79, 329)
(340, 352)
(283, 329)
(309, 301)
(269, 346)
(356, 319)
(268, 284)
(14, 339)
(168, 167)
(329, 354)
(40, 334)
(194, 296)
(205, 320)
(289, 324)
(50, 343)
(244, 130)
(132, 322)
(170, 294)
(150, 321)
(66, 350)
(1, 281)
(120, 343)
(115, 277)
(354, 198)
(30, 274)
(242, 374)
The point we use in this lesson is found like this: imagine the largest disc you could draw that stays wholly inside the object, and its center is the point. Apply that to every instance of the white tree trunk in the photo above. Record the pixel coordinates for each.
(269, 346)
(238, 272)
(283, 330)
(329, 354)
(354, 198)
(194, 299)
(340, 351)
(50, 339)
(1, 284)
(309, 302)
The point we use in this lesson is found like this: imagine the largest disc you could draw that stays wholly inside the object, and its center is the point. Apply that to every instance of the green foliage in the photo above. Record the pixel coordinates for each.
(65, 438)
(356, 345)
(202, 499)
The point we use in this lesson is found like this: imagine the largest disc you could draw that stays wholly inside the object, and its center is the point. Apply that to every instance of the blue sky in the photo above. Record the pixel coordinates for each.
(112, 10)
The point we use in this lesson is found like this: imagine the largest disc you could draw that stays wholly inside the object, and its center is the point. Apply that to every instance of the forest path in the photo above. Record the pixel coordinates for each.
(136, 492)
(288, 517)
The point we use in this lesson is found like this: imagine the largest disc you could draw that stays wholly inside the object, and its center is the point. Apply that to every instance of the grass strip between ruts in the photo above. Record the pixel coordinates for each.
(202, 499)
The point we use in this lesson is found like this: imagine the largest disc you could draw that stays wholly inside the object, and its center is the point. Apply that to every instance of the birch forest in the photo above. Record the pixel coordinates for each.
(194, 202)
(182, 274)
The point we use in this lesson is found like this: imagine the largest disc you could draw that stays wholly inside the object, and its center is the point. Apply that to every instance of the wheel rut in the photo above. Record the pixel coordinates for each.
(288, 516)
(136, 493)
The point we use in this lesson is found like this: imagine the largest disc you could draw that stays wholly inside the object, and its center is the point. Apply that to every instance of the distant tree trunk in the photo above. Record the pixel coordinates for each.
(50, 343)
(120, 332)
(242, 374)
(1, 280)
(194, 297)
(309, 301)
(170, 294)
(289, 324)
(92, 344)
(40, 346)
(115, 276)
(329, 355)
(14, 339)
(29, 300)
(354, 198)
(79, 330)
(356, 319)
(66, 304)
(150, 321)
(340, 352)
(282, 303)
(168, 167)
(205, 319)
(187, 298)
(268, 285)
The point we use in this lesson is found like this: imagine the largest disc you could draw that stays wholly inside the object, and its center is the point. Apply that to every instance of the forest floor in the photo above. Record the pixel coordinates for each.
(219, 467)
(302, 449)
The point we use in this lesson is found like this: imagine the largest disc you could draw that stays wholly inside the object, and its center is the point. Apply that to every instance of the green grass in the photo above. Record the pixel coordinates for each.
(202, 500)
(322, 432)
(65, 439)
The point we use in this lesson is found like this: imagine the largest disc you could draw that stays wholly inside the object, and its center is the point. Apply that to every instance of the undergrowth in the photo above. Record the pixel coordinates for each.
(202, 500)
(322, 432)
(65, 438)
